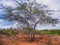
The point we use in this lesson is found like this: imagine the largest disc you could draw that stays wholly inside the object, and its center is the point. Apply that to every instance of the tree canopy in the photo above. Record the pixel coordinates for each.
(28, 14)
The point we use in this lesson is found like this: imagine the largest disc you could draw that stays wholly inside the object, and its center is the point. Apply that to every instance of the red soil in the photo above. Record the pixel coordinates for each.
(24, 40)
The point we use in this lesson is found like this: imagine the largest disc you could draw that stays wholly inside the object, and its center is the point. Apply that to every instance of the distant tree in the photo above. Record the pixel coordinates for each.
(29, 14)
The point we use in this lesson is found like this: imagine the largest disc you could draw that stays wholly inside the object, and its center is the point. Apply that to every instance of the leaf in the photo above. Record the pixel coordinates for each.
(35, 11)
(22, 6)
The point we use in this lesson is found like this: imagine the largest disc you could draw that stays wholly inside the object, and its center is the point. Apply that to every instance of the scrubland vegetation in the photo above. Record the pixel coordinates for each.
(11, 32)
(21, 37)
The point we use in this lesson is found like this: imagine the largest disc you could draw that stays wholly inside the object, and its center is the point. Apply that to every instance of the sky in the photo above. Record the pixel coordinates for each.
(53, 4)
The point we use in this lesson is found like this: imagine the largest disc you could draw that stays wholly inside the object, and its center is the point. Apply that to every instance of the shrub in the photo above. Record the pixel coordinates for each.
(57, 32)
(9, 32)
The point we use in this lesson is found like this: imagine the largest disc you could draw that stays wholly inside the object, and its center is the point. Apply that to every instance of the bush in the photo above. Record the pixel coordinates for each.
(9, 32)
(57, 32)
(45, 32)
(37, 32)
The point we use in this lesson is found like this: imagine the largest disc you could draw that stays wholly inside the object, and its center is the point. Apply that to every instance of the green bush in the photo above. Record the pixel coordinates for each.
(55, 32)
(37, 32)
(9, 32)
(45, 32)
(48, 32)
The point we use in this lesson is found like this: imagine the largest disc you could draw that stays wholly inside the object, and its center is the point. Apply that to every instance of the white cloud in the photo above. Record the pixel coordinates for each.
(1, 20)
(5, 27)
(8, 3)
(53, 4)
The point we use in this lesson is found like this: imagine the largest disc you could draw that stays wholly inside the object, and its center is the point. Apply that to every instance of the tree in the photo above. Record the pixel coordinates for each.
(29, 14)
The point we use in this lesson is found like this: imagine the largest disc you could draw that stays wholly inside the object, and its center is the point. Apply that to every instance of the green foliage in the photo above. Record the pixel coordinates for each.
(35, 11)
(57, 32)
(22, 6)
(37, 32)
(9, 32)
(45, 32)
(48, 32)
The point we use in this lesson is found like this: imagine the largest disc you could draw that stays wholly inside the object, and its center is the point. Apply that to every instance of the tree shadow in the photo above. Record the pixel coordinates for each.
(1, 42)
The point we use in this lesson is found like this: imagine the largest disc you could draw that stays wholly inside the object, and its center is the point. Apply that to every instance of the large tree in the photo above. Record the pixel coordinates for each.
(29, 14)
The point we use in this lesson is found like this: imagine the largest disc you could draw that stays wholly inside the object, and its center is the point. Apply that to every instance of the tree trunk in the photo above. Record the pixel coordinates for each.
(32, 33)
(32, 36)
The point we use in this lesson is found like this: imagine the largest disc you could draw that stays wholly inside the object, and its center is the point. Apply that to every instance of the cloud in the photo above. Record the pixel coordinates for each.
(8, 3)
(1, 20)
(53, 4)
(2, 27)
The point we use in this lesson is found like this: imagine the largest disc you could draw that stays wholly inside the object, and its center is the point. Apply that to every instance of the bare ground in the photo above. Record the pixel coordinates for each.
(25, 40)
